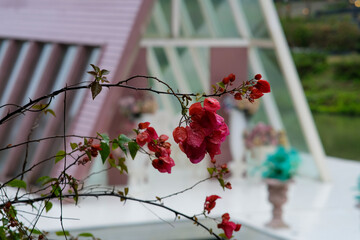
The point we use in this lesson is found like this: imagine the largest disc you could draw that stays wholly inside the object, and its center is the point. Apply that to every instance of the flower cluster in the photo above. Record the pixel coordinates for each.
(281, 165)
(156, 144)
(205, 133)
(210, 203)
(261, 135)
(228, 226)
(91, 150)
(218, 173)
(251, 90)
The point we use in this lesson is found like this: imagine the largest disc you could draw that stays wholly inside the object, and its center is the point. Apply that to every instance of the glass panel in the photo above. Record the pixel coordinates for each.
(225, 19)
(190, 72)
(282, 98)
(160, 21)
(197, 26)
(255, 19)
(287, 111)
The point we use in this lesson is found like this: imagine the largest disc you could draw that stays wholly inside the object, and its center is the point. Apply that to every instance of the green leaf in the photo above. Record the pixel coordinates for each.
(104, 137)
(104, 72)
(92, 73)
(122, 165)
(62, 233)
(2, 233)
(42, 179)
(39, 106)
(112, 162)
(199, 96)
(126, 190)
(133, 148)
(222, 183)
(95, 89)
(35, 231)
(122, 139)
(56, 189)
(220, 84)
(222, 235)
(214, 88)
(48, 180)
(60, 155)
(96, 68)
(85, 235)
(73, 145)
(105, 151)
(50, 111)
(17, 183)
(211, 171)
(115, 144)
(48, 206)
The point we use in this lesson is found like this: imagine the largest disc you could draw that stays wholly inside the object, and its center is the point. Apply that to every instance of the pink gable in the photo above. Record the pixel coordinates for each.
(113, 27)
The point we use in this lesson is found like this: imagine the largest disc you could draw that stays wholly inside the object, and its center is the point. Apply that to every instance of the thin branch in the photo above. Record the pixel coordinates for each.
(186, 189)
(122, 84)
(45, 138)
(113, 194)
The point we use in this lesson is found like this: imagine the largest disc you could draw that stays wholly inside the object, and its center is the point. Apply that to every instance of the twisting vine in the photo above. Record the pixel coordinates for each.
(200, 131)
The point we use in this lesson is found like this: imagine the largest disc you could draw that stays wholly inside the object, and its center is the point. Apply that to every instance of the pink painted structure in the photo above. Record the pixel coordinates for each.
(114, 28)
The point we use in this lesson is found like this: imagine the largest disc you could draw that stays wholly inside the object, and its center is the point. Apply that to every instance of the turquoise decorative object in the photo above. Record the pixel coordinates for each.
(281, 165)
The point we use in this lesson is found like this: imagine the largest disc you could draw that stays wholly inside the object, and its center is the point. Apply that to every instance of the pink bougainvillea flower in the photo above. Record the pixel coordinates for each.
(152, 133)
(142, 138)
(210, 202)
(195, 154)
(163, 164)
(159, 145)
(144, 125)
(211, 104)
(205, 133)
(263, 86)
(228, 226)
(180, 134)
(255, 93)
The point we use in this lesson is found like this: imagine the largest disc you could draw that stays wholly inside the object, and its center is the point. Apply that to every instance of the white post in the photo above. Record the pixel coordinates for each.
(293, 84)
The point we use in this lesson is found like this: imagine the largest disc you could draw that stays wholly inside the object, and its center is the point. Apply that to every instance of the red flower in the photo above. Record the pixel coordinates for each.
(158, 145)
(210, 202)
(228, 226)
(96, 147)
(258, 76)
(204, 134)
(263, 86)
(226, 80)
(142, 138)
(231, 77)
(255, 93)
(238, 96)
(211, 104)
(228, 185)
(180, 134)
(144, 125)
(163, 164)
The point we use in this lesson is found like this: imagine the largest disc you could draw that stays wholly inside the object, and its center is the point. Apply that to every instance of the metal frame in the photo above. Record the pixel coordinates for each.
(277, 42)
